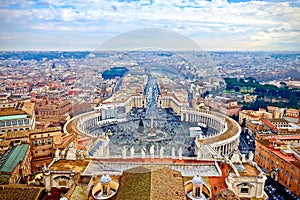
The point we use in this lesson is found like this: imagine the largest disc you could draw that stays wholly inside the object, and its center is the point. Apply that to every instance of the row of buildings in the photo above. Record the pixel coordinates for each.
(277, 151)
(271, 120)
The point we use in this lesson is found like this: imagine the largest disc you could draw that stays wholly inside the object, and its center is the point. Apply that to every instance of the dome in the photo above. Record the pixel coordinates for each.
(197, 180)
(105, 179)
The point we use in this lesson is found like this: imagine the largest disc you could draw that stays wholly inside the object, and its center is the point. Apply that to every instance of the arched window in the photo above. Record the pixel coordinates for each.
(104, 192)
(197, 192)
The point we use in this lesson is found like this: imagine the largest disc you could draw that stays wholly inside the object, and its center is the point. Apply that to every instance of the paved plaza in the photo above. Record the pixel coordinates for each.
(174, 134)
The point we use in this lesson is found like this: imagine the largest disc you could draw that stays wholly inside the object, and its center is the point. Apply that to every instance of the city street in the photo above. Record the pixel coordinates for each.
(247, 142)
(276, 191)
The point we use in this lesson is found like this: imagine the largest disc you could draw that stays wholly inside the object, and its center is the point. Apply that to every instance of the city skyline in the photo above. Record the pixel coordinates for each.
(213, 25)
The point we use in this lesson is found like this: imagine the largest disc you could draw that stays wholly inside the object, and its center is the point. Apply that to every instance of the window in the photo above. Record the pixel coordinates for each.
(104, 193)
(197, 192)
(62, 183)
(296, 180)
(244, 190)
(43, 142)
(291, 177)
(36, 142)
(49, 140)
(286, 173)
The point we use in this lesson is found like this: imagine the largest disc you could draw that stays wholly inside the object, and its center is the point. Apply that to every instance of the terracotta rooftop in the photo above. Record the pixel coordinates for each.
(250, 170)
(21, 109)
(78, 165)
(286, 157)
(4, 143)
(11, 111)
(17, 134)
(226, 194)
(28, 108)
(150, 182)
(9, 192)
(278, 120)
(285, 137)
(269, 124)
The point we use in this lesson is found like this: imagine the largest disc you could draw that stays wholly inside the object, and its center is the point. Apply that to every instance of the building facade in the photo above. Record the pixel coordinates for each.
(280, 157)
(43, 144)
(18, 117)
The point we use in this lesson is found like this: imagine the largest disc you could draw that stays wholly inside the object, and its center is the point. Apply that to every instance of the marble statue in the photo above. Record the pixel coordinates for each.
(251, 156)
(243, 158)
(180, 153)
(132, 152)
(198, 154)
(173, 153)
(71, 153)
(45, 168)
(143, 152)
(152, 151)
(57, 154)
(124, 156)
(80, 154)
(63, 153)
(161, 152)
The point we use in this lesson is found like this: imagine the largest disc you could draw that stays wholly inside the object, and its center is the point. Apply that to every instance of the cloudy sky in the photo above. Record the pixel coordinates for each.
(214, 24)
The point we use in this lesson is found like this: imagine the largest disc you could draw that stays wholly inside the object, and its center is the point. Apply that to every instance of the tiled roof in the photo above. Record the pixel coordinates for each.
(17, 134)
(11, 111)
(25, 192)
(4, 143)
(269, 124)
(24, 108)
(77, 165)
(28, 108)
(150, 182)
(16, 155)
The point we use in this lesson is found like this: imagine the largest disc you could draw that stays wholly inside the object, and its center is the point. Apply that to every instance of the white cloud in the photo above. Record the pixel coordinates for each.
(249, 22)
